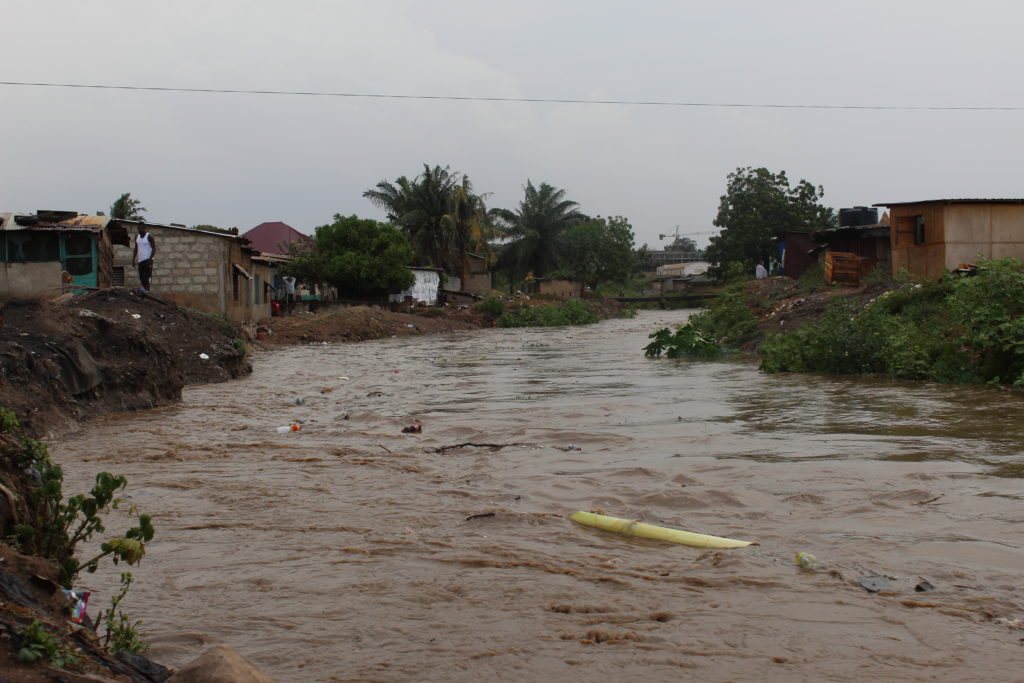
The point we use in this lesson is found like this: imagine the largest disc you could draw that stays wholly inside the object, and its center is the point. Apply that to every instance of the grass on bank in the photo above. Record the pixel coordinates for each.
(962, 329)
(557, 313)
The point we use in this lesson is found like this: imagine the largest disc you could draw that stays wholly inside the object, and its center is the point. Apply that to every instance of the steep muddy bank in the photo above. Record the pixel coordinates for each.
(109, 351)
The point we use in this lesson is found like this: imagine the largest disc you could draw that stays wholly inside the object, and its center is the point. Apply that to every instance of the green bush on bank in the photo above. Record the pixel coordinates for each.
(961, 329)
(572, 312)
(727, 323)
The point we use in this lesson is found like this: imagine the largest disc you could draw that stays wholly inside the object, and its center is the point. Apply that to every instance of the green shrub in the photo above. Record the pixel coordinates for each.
(845, 341)
(687, 340)
(571, 312)
(989, 310)
(52, 527)
(812, 279)
(492, 305)
(122, 634)
(35, 642)
(728, 319)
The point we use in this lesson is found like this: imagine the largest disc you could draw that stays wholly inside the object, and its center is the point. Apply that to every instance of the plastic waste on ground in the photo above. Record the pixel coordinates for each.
(289, 428)
(806, 561)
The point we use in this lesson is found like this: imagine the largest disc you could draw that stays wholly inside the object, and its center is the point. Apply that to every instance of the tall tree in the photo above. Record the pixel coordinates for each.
(127, 208)
(757, 206)
(468, 227)
(533, 228)
(442, 215)
(598, 250)
(418, 208)
(360, 257)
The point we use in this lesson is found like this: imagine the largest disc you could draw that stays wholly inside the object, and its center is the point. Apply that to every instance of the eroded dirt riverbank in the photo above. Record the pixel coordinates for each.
(353, 551)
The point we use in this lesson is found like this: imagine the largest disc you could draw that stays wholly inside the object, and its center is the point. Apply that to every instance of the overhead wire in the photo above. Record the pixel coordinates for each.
(540, 100)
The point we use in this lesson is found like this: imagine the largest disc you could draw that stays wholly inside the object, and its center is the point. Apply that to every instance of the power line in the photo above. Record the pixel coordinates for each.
(543, 100)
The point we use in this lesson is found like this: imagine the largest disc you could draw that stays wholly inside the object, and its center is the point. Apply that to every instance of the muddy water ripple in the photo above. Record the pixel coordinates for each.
(353, 551)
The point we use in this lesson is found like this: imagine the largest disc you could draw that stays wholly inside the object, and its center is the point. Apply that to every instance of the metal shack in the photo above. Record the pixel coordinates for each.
(50, 252)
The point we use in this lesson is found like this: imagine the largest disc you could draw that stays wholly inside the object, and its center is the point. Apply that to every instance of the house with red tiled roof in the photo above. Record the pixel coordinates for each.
(274, 237)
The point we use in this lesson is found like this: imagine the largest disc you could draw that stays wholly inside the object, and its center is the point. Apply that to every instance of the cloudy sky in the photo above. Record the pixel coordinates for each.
(241, 159)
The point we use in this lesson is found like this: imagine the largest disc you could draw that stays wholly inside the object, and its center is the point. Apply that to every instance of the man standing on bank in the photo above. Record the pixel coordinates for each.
(142, 256)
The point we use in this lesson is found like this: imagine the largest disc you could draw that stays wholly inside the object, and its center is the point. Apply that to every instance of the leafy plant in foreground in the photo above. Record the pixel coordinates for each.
(122, 634)
(36, 642)
(687, 340)
(52, 527)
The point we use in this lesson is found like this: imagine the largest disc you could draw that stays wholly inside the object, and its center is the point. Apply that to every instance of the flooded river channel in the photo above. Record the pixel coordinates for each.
(353, 551)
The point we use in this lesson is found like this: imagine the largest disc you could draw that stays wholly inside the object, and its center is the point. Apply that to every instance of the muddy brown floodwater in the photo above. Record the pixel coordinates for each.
(353, 551)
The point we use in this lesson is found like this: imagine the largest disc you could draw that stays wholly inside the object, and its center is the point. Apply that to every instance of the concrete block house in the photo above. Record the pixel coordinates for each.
(210, 271)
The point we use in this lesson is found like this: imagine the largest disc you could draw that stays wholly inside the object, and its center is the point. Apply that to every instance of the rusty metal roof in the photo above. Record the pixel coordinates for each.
(953, 201)
(44, 220)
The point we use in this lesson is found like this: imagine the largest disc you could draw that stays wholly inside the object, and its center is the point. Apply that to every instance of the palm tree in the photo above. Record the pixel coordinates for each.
(467, 226)
(418, 208)
(543, 214)
(127, 208)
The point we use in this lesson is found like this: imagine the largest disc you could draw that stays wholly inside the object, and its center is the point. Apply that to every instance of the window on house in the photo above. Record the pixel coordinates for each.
(234, 286)
(256, 289)
(25, 246)
(909, 230)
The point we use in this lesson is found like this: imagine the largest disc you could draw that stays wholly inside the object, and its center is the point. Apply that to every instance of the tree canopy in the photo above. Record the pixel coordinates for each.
(598, 250)
(440, 213)
(360, 257)
(759, 205)
(534, 228)
(127, 208)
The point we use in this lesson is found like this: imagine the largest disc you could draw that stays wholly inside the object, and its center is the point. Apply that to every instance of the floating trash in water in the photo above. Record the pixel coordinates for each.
(136, 316)
(875, 584)
(204, 356)
(806, 561)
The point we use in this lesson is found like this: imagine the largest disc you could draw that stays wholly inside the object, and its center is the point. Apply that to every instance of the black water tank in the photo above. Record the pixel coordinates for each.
(858, 215)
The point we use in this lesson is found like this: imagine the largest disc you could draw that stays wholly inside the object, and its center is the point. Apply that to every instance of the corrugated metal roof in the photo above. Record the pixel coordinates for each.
(954, 201)
(33, 221)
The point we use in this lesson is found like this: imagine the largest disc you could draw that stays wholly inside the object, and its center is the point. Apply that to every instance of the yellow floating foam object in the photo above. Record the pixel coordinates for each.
(629, 527)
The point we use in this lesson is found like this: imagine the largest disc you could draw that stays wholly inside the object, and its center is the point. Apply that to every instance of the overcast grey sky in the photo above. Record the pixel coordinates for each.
(241, 159)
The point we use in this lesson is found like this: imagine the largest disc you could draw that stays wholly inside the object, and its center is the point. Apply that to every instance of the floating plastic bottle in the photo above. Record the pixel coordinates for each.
(806, 561)
(289, 428)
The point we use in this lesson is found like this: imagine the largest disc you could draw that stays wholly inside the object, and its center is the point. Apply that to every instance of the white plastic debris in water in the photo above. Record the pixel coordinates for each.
(204, 356)
(136, 316)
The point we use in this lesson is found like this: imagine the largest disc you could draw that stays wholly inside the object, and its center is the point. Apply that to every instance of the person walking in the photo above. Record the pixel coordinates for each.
(142, 256)
(289, 292)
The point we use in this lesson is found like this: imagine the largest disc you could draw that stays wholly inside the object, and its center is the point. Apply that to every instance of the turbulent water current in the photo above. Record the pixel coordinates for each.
(351, 550)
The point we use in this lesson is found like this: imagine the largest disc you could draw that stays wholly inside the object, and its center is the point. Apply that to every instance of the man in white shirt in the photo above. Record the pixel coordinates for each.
(142, 256)
(760, 272)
